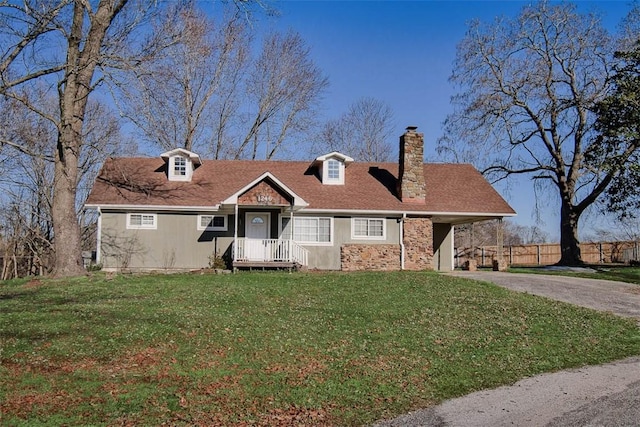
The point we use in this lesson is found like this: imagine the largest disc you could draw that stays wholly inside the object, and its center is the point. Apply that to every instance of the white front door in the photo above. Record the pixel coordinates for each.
(256, 229)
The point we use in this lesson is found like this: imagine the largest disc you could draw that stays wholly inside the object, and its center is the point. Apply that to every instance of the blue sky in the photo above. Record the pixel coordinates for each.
(402, 53)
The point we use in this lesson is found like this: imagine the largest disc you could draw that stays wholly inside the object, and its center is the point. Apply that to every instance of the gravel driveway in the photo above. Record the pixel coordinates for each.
(604, 395)
(618, 298)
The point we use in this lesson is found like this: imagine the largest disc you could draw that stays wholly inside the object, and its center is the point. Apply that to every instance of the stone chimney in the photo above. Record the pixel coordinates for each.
(411, 185)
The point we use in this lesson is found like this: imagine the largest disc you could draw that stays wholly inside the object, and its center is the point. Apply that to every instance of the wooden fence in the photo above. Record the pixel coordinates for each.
(549, 254)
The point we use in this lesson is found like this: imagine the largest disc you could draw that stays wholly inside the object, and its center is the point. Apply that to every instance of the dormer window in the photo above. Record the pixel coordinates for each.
(180, 164)
(331, 168)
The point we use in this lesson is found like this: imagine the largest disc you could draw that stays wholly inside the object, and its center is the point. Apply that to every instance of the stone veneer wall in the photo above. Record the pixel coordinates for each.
(418, 244)
(411, 183)
(363, 257)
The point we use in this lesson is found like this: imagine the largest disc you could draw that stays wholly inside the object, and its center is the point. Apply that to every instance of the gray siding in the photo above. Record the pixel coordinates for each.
(178, 244)
(443, 247)
(324, 257)
(175, 244)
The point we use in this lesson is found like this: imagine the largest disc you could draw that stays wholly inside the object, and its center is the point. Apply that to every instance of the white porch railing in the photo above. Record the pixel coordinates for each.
(270, 250)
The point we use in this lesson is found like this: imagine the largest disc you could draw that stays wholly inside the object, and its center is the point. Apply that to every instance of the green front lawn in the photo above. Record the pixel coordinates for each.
(277, 349)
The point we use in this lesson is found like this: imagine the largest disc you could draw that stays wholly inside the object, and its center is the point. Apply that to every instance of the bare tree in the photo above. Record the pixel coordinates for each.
(28, 189)
(67, 47)
(527, 89)
(364, 132)
(283, 89)
(207, 93)
(185, 96)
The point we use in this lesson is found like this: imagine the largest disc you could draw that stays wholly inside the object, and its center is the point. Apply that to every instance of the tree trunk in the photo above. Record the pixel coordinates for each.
(569, 244)
(74, 91)
(66, 230)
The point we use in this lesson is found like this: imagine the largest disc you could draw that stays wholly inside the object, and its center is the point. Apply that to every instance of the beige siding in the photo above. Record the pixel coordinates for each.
(443, 247)
(175, 244)
(178, 244)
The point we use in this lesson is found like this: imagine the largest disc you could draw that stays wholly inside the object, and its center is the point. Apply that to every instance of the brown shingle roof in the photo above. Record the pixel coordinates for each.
(451, 188)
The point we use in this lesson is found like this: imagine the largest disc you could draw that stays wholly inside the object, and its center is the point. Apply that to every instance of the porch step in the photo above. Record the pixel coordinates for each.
(267, 265)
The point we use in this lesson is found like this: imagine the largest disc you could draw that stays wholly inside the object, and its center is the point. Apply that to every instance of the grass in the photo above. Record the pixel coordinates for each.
(277, 349)
(618, 274)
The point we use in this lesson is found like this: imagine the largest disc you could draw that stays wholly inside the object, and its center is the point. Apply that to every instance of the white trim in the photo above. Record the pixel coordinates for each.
(401, 212)
(99, 238)
(356, 237)
(195, 159)
(215, 208)
(235, 234)
(142, 226)
(298, 201)
(188, 169)
(334, 154)
(452, 231)
(199, 226)
(326, 180)
(292, 219)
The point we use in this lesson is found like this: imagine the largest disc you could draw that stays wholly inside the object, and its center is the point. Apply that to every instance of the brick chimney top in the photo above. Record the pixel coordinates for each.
(411, 183)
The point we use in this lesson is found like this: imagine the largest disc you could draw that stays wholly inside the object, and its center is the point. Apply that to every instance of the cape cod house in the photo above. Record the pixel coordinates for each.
(180, 212)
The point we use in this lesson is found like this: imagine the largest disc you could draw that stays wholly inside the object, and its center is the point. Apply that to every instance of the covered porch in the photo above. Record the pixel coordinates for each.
(259, 240)
(269, 253)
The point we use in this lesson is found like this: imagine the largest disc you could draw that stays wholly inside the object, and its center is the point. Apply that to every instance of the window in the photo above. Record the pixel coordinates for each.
(368, 228)
(308, 230)
(212, 222)
(142, 221)
(333, 170)
(179, 166)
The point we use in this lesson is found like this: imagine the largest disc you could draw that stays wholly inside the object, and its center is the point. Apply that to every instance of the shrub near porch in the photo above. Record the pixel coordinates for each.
(277, 349)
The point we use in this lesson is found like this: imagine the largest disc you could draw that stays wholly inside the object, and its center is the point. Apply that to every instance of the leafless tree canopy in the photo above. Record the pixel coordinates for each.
(53, 56)
(209, 93)
(527, 87)
(364, 132)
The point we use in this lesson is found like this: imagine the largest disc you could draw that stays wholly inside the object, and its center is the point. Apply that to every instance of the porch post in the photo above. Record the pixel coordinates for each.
(290, 242)
(235, 235)
(499, 264)
(99, 238)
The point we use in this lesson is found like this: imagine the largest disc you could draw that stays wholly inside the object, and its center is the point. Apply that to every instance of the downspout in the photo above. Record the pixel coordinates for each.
(401, 222)
(99, 238)
(453, 249)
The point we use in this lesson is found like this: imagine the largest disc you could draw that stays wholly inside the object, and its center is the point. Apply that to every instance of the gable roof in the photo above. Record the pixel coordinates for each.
(334, 155)
(297, 200)
(182, 152)
(450, 188)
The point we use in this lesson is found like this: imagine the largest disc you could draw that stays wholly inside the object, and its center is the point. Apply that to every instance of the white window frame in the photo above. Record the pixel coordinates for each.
(305, 242)
(142, 225)
(354, 236)
(173, 176)
(179, 169)
(225, 227)
(325, 172)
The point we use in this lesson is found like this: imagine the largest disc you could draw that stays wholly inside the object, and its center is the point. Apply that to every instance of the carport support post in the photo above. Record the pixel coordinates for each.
(498, 263)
